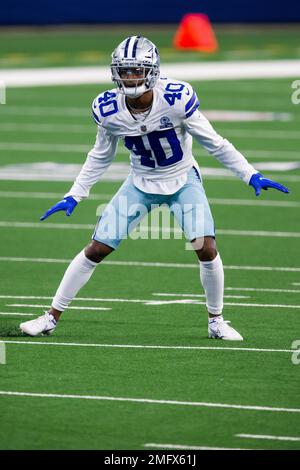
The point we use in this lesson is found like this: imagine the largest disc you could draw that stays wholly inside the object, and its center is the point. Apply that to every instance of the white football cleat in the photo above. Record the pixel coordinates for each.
(44, 324)
(218, 328)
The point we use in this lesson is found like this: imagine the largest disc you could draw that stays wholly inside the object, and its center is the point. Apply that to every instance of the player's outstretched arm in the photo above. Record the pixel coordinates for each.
(258, 182)
(67, 205)
(98, 160)
(198, 126)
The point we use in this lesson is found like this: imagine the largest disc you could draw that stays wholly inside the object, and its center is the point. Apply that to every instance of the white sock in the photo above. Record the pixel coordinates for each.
(212, 279)
(75, 277)
(215, 319)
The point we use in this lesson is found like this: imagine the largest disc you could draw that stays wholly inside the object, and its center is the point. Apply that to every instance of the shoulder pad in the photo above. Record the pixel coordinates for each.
(181, 96)
(104, 105)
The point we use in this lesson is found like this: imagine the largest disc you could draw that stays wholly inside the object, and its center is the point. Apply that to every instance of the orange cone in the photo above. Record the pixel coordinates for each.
(195, 33)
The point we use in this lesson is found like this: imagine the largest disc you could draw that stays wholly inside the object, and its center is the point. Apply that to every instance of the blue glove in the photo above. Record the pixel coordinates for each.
(68, 204)
(258, 182)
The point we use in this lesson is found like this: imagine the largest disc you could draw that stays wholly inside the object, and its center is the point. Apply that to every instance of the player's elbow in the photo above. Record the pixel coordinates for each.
(220, 147)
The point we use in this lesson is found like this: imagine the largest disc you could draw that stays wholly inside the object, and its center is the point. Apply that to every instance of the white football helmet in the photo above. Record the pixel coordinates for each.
(138, 56)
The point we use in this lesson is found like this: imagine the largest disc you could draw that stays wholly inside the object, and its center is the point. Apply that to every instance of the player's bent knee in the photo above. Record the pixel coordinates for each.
(208, 249)
(97, 251)
(207, 254)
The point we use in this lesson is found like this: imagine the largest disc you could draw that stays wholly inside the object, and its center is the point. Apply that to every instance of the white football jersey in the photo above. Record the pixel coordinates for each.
(160, 146)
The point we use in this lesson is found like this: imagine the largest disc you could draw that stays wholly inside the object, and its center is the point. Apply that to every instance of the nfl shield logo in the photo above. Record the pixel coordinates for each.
(143, 128)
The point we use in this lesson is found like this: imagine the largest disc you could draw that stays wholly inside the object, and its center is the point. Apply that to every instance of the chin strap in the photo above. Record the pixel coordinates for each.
(134, 92)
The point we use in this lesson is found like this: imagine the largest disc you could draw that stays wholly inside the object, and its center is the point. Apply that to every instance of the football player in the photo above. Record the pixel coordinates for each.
(157, 119)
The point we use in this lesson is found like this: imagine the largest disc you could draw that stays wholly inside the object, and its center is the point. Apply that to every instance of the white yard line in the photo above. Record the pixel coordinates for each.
(43, 195)
(258, 233)
(69, 308)
(168, 294)
(43, 147)
(272, 438)
(281, 167)
(68, 226)
(53, 128)
(14, 259)
(261, 289)
(259, 153)
(36, 260)
(99, 299)
(18, 314)
(152, 401)
(169, 302)
(246, 289)
(148, 346)
(85, 129)
(86, 299)
(143, 301)
(263, 268)
(251, 202)
(212, 201)
(196, 302)
(274, 176)
(84, 112)
(45, 111)
(163, 302)
(218, 70)
(263, 134)
(187, 447)
(83, 148)
(51, 225)
(117, 172)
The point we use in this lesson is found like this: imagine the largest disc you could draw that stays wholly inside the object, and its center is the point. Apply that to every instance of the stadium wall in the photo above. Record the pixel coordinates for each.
(43, 12)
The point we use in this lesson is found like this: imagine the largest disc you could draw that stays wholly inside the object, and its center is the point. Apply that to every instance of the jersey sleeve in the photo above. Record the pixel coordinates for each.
(190, 101)
(201, 129)
(98, 160)
(181, 97)
(96, 112)
(104, 106)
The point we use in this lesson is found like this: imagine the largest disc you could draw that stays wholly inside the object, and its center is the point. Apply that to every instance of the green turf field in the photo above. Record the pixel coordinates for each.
(43, 47)
(128, 373)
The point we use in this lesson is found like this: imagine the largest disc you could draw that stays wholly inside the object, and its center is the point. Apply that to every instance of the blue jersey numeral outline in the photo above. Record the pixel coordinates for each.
(175, 92)
(156, 156)
(106, 101)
